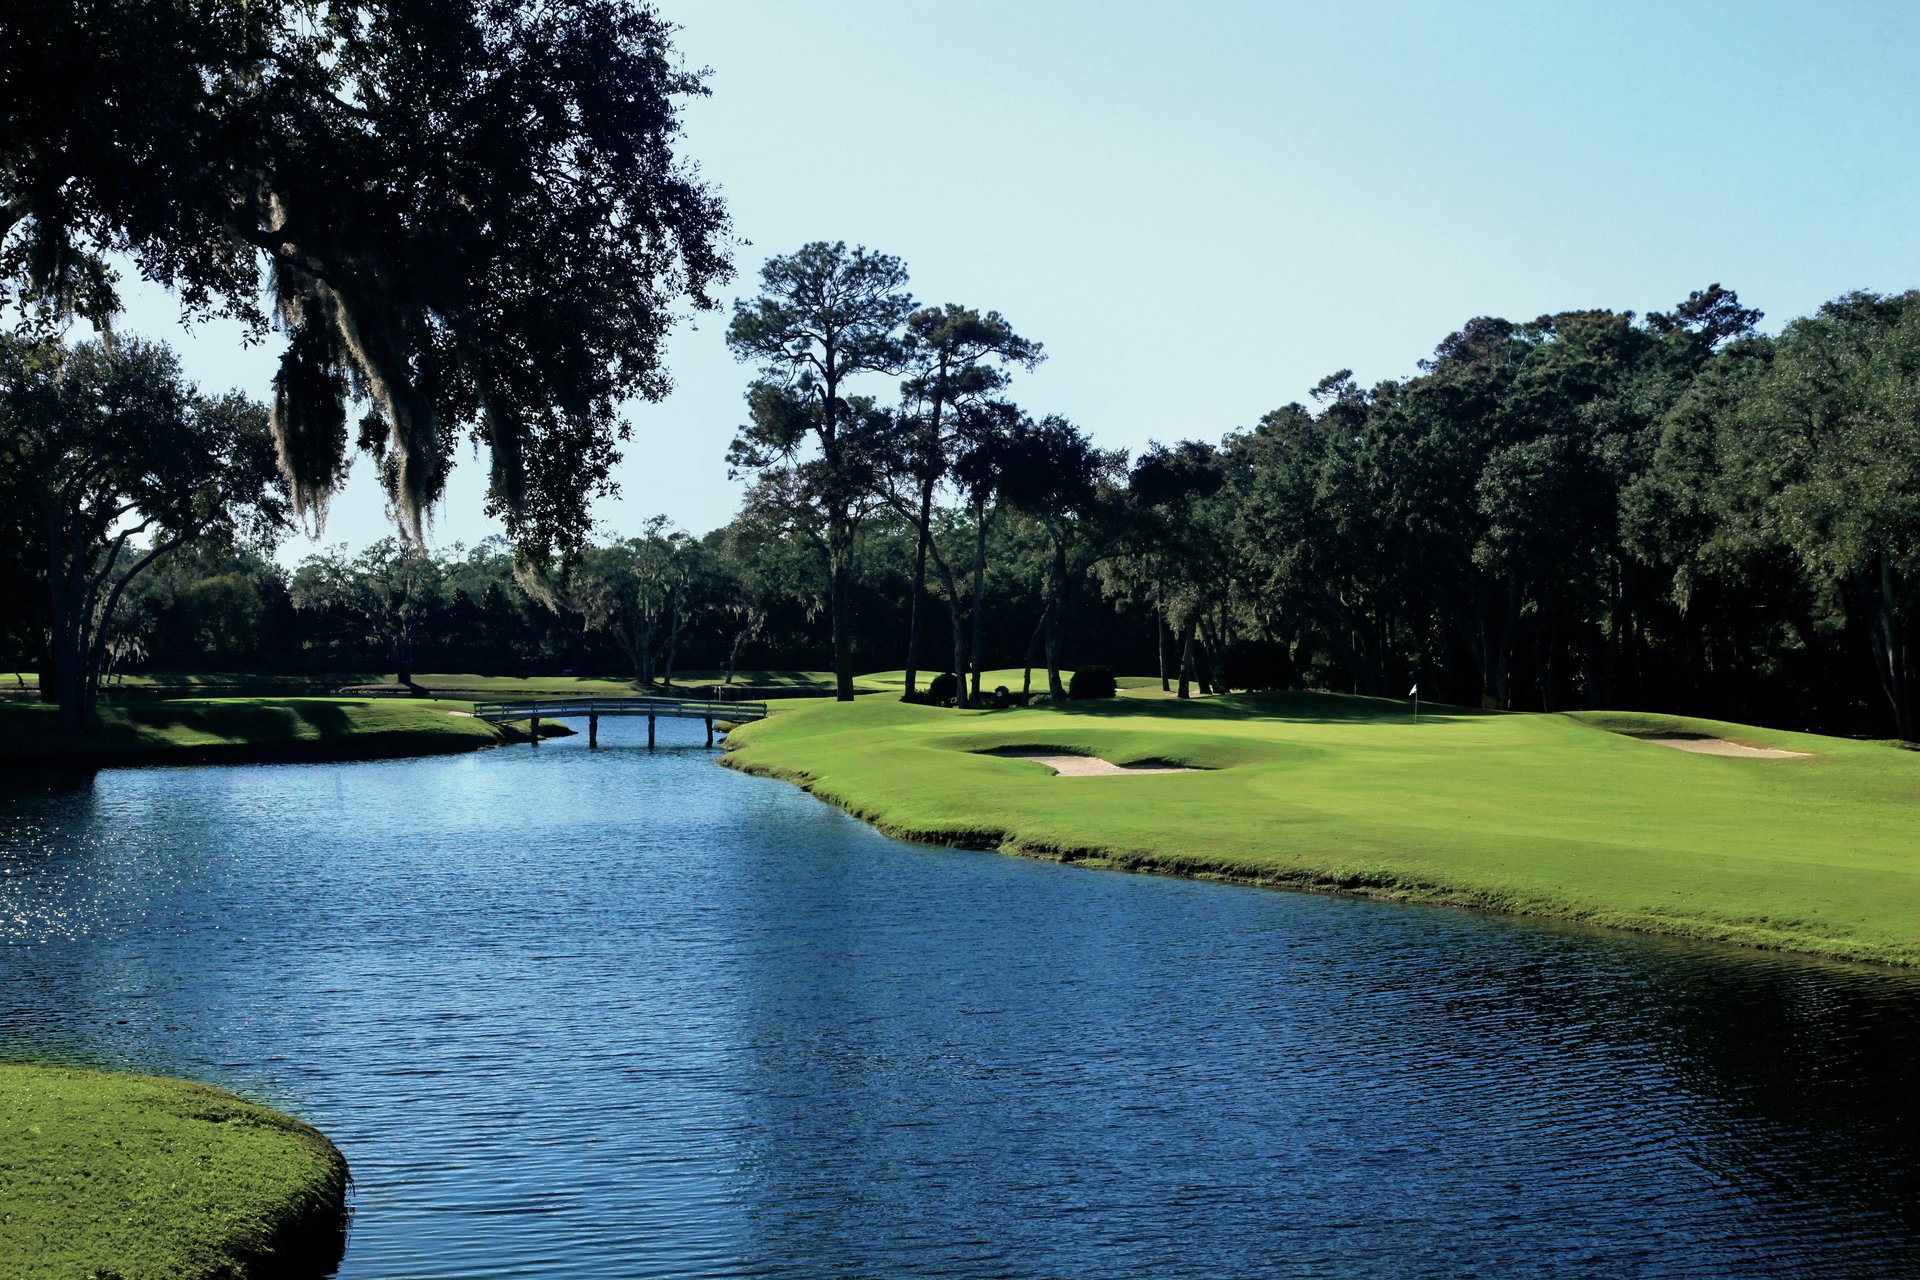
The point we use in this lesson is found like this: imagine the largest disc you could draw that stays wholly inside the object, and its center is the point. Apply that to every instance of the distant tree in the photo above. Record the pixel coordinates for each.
(635, 588)
(767, 557)
(467, 216)
(1829, 440)
(824, 315)
(213, 605)
(992, 439)
(1055, 475)
(1188, 540)
(392, 590)
(121, 463)
(959, 359)
(500, 623)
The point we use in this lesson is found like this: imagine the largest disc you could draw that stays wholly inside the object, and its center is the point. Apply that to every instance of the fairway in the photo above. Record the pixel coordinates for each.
(1565, 816)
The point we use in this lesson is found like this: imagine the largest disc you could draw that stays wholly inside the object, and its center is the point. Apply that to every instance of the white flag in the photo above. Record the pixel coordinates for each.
(1414, 692)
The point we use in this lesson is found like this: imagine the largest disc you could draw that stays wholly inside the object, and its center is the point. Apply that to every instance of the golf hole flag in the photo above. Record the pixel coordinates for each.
(1414, 693)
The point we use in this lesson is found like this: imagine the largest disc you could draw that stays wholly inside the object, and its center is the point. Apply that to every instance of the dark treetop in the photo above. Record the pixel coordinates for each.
(466, 214)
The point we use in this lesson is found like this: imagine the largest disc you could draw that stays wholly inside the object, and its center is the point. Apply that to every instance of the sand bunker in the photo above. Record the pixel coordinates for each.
(1701, 745)
(1086, 766)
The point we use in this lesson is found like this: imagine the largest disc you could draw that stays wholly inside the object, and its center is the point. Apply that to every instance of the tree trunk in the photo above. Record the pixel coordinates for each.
(733, 655)
(673, 641)
(1888, 638)
(979, 601)
(1503, 672)
(956, 616)
(840, 592)
(1186, 658)
(64, 642)
(1033, 645)
(1056, 640)
(919, 587)
(956, 625)
(1160, 638)
(1208, 648)
(1057, 623)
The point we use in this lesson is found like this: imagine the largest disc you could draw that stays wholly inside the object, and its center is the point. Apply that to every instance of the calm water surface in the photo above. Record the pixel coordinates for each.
(635, 1015)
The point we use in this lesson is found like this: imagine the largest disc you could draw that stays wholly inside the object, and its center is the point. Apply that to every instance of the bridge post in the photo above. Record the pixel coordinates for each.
(533, 729)
(593, 731)
(709, 730)
(649, 730)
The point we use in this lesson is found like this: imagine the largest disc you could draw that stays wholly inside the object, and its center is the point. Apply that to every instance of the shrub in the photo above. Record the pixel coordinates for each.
(943, 689)
(1091, 682)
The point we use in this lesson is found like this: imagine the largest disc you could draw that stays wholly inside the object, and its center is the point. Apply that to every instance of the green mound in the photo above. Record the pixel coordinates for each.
(142, 1178)
(1569, 816)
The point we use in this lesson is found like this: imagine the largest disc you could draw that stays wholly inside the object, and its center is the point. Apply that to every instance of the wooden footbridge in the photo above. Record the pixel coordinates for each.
(653, 708)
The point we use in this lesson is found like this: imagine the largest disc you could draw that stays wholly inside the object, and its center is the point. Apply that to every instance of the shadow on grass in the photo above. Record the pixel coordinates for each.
(1305, 708)
(265, 722)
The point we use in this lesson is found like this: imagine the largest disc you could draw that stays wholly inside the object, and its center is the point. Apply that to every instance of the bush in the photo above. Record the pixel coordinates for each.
(943, 689)
(1091, 682)
(1001, 697)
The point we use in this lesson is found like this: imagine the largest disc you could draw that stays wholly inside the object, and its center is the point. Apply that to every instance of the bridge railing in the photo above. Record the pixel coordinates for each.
(568, 708)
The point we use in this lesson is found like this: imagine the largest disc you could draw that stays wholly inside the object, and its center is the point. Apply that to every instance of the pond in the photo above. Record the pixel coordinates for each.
(624, 1013)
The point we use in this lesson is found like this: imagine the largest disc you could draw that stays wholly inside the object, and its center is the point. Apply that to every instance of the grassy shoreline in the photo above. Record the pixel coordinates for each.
(242, 731)
(1568, 817)
(139, 1177)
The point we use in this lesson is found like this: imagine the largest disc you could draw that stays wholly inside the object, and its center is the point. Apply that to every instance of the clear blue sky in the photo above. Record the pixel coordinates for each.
(1201, 209)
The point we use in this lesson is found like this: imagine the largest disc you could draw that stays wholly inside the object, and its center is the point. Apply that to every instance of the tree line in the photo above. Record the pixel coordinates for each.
(466, 221)
(1591, 508)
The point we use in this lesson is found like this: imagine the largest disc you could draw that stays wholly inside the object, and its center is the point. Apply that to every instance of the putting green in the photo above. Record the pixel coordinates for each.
(1556, 815)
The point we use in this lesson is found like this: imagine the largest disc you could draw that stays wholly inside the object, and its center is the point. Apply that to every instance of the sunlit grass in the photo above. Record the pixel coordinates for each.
(187, 730)
(1540, 814)
(115, 1175)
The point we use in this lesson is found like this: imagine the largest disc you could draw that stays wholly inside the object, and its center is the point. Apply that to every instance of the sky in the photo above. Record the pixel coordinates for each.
(1201, 209)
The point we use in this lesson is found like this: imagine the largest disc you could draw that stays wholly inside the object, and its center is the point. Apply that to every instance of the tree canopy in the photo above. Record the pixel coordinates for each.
(111, 460)
(825, 315)
(465, 216)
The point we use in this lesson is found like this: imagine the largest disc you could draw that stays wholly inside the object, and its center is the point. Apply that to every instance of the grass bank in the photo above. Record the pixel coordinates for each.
(240, 730)
(140, 1178)
(1566, 816)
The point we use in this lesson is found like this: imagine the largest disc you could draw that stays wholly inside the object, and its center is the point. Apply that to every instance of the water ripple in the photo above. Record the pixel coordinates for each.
(626, 1014)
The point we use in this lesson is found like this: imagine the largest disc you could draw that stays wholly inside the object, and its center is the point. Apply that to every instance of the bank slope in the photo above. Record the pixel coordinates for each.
(141, 1178)
(240, 730)
(1546, 815)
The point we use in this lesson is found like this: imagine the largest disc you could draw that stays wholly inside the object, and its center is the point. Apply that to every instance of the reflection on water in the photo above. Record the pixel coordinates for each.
(624, 1014)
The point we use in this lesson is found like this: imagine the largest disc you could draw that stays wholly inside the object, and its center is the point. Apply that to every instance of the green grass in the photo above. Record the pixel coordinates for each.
(1549, 815)
(458, 684)
(769, 678)
(220, 730)
(140, 1178)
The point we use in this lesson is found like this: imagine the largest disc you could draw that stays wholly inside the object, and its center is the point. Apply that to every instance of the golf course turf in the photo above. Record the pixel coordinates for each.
(1575, 817)
(242, 730)
(139, 1178)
